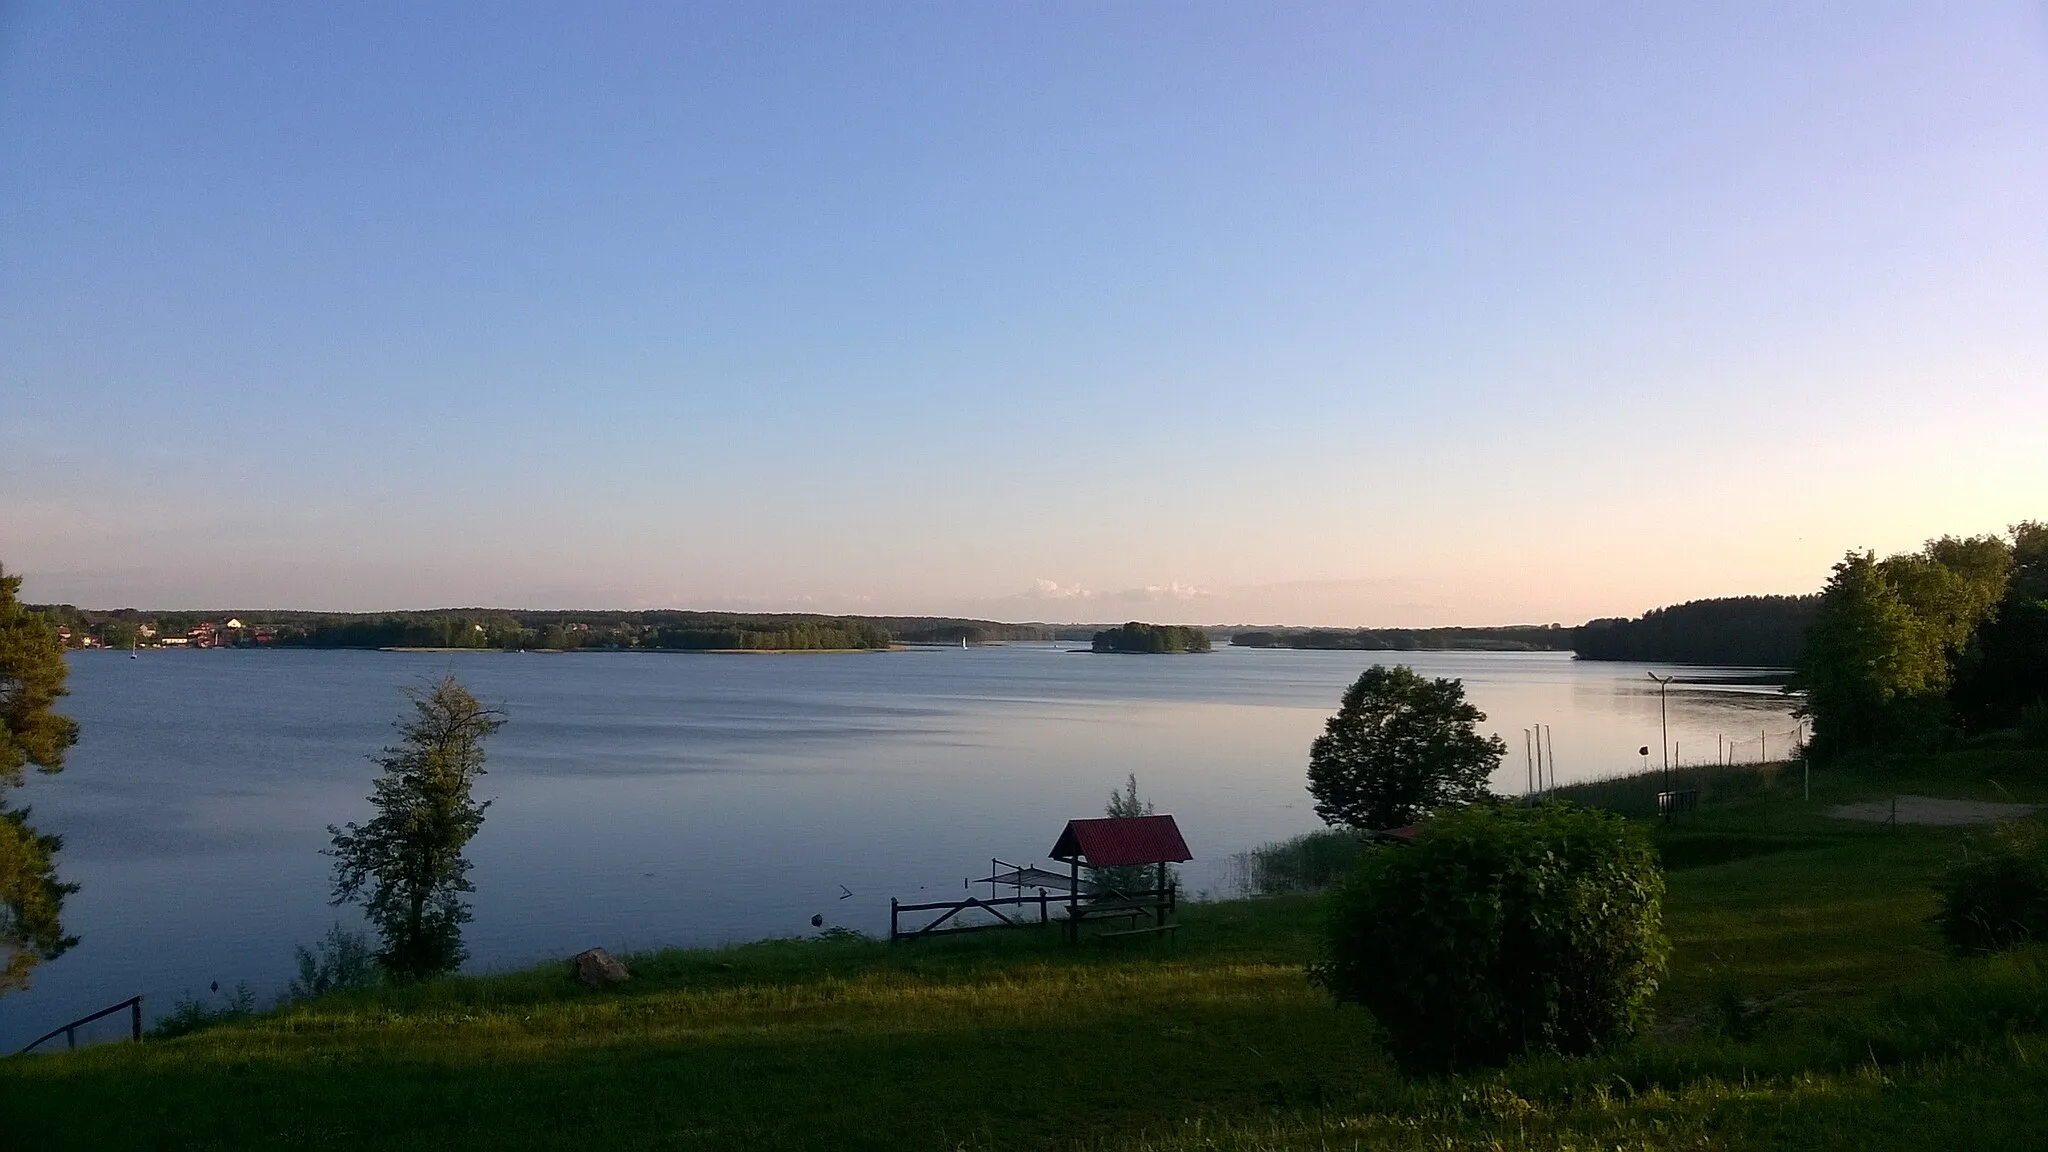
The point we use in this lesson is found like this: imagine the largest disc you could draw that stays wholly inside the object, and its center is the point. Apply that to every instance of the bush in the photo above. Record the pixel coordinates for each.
(1996, 896)
(2034, 725)
(338, 961)
(190, 1014)
(1501, 931)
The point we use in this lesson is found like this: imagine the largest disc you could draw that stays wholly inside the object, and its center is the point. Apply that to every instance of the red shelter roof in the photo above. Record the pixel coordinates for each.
(1114, 842)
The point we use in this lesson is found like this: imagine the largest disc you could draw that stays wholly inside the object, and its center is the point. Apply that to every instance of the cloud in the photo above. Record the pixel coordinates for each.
(1156, 593)
(1042, 589)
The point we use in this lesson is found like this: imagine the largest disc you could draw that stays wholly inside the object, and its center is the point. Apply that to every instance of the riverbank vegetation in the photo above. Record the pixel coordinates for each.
(1513, 638)
(1810, 1001)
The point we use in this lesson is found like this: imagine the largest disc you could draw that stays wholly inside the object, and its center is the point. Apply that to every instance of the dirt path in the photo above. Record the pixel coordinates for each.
(1930, 810)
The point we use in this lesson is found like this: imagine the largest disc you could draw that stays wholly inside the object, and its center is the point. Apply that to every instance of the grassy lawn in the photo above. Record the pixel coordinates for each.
(1809, 1005)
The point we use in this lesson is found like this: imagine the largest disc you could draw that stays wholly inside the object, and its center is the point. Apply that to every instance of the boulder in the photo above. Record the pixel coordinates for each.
(600, 969)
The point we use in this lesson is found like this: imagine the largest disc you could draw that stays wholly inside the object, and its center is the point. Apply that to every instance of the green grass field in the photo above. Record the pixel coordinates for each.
(1809, 1005)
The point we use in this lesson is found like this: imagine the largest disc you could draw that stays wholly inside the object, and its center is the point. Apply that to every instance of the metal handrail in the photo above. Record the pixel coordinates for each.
(70, 1031)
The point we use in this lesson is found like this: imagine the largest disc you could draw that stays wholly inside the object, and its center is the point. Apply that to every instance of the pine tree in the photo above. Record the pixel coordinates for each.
(32, 673)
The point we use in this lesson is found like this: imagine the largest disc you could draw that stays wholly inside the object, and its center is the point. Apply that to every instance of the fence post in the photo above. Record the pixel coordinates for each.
(135, 1018)
(892, 918)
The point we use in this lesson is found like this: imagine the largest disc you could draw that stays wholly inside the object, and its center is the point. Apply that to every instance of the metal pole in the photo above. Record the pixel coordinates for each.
(1528, 762)
(1664, 723)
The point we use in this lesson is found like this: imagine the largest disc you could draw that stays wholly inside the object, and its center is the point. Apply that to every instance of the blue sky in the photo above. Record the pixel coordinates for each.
(1300, 313)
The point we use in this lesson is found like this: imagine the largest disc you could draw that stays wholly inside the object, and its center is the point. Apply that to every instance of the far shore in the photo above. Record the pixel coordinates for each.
(657, 651)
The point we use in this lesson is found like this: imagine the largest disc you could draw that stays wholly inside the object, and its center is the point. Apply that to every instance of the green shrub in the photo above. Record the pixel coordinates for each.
(339, 961)
(2034, 725)
(190, 1014)
(1996, 896)
(1500, 931)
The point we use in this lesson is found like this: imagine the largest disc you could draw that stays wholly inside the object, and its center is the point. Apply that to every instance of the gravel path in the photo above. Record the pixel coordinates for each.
(1930, 810)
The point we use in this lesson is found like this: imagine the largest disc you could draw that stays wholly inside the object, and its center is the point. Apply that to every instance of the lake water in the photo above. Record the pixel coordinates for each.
(642, 800)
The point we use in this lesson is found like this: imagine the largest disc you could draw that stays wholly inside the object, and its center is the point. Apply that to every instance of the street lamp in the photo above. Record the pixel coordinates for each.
(1664, 722)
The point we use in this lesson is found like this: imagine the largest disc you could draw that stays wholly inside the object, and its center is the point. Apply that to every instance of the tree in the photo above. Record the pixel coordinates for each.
(1873, 670)
(406, 865)
(1398, 747)
(1127, 878)
(1951, 585)
(2004, 669)
(32, 673)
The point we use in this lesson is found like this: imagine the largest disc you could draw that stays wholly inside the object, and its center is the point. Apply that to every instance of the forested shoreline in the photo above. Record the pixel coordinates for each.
(1734, 631)
(1512, 638)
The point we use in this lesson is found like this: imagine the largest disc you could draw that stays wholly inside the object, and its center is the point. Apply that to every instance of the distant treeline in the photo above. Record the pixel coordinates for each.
(1513, 638)
(1137, 637)
(486, 628)
(671, 631)
(1768, 631)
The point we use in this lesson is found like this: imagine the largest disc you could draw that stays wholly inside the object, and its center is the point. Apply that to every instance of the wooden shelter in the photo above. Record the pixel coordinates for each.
(1121, 842)
(1104, 842)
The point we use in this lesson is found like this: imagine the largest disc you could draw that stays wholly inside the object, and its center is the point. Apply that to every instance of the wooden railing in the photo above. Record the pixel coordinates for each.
(1157, 903)
(70, 1031)
(955, 907)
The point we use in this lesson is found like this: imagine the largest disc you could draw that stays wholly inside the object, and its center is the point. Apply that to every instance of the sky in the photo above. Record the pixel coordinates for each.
(1351, 314)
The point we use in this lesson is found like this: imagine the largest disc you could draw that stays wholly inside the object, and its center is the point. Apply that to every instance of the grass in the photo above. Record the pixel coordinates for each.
(1809, 1005)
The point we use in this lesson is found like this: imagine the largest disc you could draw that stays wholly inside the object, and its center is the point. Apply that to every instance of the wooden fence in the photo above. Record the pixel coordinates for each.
(70, 1031)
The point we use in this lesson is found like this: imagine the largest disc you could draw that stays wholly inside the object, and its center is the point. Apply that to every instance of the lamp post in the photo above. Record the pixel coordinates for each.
(1664, 722)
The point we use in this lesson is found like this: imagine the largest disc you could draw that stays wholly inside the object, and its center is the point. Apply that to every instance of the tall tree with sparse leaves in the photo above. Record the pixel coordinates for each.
(1399, 747)
(32, 673)
(405, 866)
(1127, 878)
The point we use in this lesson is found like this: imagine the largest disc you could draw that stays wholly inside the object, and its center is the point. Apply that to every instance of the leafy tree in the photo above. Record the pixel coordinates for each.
(1874, 670)
(1398, 747)
(2004, 669)
(405, 866)
(32, 673)
(1951, 585)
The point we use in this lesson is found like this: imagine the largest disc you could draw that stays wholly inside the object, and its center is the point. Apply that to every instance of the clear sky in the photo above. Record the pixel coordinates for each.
(1352, 314)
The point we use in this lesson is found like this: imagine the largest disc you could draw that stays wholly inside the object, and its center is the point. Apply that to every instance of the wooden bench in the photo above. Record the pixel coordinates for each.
(1166, 930)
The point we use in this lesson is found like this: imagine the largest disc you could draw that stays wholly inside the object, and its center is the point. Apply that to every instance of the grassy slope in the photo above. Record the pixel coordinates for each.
(1809, 1005)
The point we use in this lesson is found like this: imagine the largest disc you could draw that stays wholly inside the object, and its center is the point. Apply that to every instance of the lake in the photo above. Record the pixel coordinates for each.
(650, 799)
